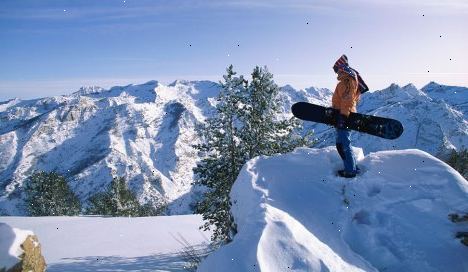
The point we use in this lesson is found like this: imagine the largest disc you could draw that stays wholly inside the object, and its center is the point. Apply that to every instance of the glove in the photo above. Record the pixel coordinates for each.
(341, 121)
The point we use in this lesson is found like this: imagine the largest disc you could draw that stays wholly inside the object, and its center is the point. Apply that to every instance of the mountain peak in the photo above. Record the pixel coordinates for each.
(287, 87)
(431, 86)
(319, 92)
(396, 91)
(409, 86)
(393, 86)
(87, 90)
(179, 82)
(151, 82)
(412, 90)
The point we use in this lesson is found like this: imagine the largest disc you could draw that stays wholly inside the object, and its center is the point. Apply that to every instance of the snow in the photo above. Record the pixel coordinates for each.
(142, 132)
(88, 90)
(10, 249)
(456, 97)
(146, 132)
(112, 244)
(294, 214)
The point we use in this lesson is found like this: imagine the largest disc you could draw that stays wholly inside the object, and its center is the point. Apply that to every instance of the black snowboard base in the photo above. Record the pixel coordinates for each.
(374, 125)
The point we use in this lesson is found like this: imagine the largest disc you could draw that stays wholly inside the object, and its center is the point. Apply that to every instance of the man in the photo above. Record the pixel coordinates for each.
(345, 99)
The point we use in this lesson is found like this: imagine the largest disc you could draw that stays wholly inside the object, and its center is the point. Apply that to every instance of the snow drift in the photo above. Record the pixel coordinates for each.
(11, 246)
(294, 214)
(108, 243)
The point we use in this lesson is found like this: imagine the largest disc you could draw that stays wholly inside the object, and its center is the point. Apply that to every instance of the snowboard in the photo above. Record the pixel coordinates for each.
(374, 125)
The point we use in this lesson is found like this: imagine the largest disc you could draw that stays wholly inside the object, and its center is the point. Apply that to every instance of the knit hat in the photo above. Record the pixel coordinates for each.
(342, 65)
(343, 60)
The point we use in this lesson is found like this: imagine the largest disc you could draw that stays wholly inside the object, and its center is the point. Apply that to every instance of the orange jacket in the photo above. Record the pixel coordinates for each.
(346, 95)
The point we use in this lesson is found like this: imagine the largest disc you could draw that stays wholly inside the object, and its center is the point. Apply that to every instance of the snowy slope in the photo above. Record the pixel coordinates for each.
(452, 95)
(112, 244)
(294, 214)
(145, 133)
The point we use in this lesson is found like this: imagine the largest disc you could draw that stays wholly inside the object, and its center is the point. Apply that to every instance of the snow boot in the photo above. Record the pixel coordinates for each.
(344, 174)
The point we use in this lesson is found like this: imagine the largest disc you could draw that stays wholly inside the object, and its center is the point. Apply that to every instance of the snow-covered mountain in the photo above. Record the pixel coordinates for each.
(143, 132)
(452, 95)
(434, 119)
(146, 132)
(294, 214)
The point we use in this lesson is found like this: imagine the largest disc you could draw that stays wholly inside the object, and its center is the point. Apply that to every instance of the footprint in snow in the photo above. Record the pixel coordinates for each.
(373, 191)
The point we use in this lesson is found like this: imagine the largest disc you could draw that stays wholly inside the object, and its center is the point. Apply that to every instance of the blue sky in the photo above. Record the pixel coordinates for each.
(54, 47)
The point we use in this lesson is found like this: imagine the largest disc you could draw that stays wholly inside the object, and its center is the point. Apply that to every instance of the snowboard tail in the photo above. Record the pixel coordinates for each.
(374, 125)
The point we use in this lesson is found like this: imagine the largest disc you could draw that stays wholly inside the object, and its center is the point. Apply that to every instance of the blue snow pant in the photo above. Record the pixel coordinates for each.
(343, 145)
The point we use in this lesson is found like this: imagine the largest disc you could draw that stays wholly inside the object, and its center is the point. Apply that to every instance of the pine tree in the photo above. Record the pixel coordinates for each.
(119, 200)
(49, 194)
(263, 132)
(222, 158)
(245, 126)
(459, 161)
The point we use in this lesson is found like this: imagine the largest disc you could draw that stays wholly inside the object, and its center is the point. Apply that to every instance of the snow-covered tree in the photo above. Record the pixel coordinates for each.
(459, 161)
(119, 200)
(222, 151)
(263, 132)
(245, 126)
(48, 194)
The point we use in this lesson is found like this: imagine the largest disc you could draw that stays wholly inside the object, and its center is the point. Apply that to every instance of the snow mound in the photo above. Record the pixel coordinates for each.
(294, 214)
(95, 243)
(10, 245)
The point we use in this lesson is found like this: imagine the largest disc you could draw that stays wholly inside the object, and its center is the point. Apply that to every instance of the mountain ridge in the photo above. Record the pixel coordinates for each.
(146, 133)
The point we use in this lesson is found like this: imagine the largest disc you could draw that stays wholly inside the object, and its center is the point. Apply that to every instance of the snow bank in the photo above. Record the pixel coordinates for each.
(294, 214)
(113, 244)
(10, 242)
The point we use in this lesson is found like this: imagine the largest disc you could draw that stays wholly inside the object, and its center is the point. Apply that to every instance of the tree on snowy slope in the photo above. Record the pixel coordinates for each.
(245, 126)
(49, 194)
(459, 161)
(119, 200)
(222, 152)
(263, 133)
